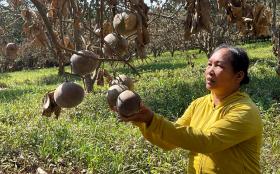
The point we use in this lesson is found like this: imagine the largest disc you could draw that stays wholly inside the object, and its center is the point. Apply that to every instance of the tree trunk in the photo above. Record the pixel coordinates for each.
(51, 36)
(274, 9)
(78, 46)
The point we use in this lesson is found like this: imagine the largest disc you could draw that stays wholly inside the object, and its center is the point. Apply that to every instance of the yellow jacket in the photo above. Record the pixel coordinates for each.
(225, 139)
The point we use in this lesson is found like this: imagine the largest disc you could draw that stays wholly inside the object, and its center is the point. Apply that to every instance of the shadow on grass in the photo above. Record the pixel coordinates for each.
(4, 76)
(161, 66)
(257, 60)
(151, 67)
(56, 79)
(171, 100)
(9, 95)
(264, 91)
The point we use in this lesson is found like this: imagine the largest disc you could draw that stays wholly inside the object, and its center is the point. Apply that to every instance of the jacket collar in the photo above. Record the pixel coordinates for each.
(229, 99)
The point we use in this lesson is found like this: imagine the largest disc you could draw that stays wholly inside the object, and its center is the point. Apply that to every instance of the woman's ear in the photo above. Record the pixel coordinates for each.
(240, 76)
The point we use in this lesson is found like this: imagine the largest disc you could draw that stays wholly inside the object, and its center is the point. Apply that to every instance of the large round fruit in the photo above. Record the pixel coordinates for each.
(68, 95)
(113, 93)
(125, 23)
(84, 65)
(11, 50)
(115, 44)
(125, 80)
(128, 103)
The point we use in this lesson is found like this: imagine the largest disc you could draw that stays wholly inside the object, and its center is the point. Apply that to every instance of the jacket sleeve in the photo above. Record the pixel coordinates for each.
(240, 123)
(155, 138)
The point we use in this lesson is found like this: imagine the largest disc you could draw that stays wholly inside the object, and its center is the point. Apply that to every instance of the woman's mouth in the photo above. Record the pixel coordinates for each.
(210, 80)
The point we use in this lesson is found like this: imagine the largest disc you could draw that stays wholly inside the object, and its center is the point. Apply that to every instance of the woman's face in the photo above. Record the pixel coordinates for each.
(219, 74)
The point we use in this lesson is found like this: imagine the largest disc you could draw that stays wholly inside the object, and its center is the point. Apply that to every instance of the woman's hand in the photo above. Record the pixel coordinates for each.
(144, 115)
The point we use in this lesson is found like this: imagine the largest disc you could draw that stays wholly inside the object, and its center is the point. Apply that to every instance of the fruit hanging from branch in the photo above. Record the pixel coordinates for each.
(123, 80)
(115, 45)
(68, 95)
(125, 23)
(11, 50)
(83, 65)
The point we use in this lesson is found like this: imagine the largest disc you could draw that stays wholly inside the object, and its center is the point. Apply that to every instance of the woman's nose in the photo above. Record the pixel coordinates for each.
(209, 70)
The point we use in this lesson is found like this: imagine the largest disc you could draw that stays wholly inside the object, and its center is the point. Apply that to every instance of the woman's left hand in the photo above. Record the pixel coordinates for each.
(145, 115)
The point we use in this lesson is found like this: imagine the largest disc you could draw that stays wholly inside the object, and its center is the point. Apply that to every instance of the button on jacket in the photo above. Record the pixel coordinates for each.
(222, 139)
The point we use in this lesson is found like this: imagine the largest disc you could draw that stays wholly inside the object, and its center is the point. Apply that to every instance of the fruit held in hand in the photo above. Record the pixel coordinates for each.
(68, 95)
(113, 93)
(128, 103)
(84, 65)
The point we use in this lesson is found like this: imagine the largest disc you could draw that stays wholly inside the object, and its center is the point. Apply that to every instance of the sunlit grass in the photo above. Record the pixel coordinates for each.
(89, 138)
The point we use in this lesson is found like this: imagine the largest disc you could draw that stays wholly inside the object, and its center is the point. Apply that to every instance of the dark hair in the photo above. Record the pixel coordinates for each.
(239, 60)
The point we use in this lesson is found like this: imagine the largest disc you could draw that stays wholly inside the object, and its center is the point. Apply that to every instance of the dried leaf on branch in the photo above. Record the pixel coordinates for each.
(15, 3)
(250, 19)
(49, 105)
(198, 17)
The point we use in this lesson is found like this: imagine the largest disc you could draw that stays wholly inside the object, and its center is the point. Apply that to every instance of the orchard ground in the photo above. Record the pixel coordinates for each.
(88, 138)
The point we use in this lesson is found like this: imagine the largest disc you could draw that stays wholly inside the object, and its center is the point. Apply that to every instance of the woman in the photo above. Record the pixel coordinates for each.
(222, 130)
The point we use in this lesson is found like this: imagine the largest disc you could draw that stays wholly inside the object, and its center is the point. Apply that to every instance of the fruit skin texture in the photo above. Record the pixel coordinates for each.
(125, 80)
(11, 50)
(128, 103)
(68, 95)
(84, 65)
(125, 23)
(113, 93)
(115, 44)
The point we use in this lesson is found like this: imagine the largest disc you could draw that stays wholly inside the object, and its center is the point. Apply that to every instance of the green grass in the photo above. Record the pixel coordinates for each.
(89, 138)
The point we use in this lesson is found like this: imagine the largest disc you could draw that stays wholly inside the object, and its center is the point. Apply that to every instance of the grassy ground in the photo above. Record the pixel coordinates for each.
(88, 138)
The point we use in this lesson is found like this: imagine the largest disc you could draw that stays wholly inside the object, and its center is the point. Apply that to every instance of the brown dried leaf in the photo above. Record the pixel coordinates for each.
(67, 43)
(262, 30)
(26, 29)
(108, 77)
(107, 28)
(1, 30)
(222, 3)
(49, 106)
(204, 13)
(26, 15)
(236, 12)
(39, 35)
(100, 78)
(236, 3)
(113, 2)
(57, 6)
(15, 3)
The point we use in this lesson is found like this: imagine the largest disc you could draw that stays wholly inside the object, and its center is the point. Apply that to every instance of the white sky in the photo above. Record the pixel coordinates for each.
(147, 2)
